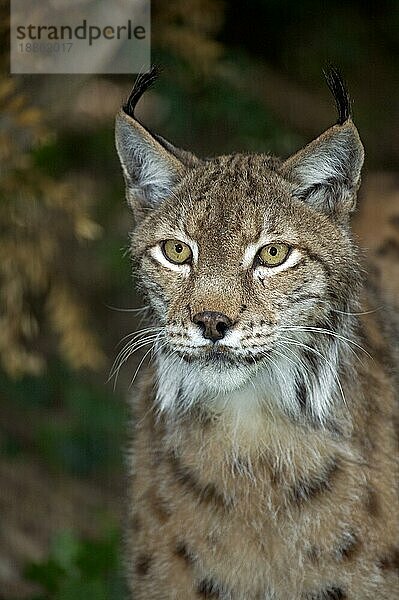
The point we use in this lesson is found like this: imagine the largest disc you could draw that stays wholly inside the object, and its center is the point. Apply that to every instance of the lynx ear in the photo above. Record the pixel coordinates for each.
(327, 171)
(151, 165)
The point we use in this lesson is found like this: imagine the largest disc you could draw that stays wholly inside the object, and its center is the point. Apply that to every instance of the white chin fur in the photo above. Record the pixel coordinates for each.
(182, 385)
(221, 379)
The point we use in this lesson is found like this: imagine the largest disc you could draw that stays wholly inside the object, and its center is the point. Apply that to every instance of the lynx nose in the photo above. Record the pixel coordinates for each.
(213, 324)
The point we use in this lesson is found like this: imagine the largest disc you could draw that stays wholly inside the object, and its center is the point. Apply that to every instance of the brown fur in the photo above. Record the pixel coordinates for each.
(279, 493)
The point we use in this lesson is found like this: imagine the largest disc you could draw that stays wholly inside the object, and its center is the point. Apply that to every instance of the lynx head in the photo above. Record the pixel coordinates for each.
(245, 259)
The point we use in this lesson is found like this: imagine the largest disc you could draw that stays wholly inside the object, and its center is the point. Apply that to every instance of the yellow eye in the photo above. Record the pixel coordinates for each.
(177, 252)
(273, 255)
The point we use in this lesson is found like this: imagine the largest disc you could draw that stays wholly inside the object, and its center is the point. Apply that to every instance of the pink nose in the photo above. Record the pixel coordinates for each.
(213, 324)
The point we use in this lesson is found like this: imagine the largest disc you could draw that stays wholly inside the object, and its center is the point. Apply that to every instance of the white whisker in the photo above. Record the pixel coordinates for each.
(142, 309)
(326, 332)
(130, 349)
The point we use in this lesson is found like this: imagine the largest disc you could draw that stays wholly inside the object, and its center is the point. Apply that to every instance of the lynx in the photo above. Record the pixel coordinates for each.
(264, 462)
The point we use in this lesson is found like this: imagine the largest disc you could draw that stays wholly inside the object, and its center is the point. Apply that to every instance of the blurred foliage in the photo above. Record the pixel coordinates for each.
(189, 29)
(78, 426)
(38, 215)
(79, 569)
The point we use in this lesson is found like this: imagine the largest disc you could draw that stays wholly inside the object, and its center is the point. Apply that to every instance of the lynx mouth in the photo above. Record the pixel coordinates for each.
(216, 355)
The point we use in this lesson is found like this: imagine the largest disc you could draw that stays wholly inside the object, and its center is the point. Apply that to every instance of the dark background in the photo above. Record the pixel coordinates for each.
(236, 76)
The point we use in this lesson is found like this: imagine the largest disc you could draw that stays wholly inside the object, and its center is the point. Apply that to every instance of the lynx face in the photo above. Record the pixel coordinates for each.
(225, 307)
(242, 257)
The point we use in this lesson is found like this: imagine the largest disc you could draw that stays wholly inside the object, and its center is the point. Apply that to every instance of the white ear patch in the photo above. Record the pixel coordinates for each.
(150, 170)
(154, 180)
(327, 171)
(324, 166)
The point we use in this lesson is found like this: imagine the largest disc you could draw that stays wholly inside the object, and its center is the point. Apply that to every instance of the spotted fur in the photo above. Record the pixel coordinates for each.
(264, 464)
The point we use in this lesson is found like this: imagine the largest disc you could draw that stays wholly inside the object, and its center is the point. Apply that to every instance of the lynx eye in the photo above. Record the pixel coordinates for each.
(273, 255)
(176, 252)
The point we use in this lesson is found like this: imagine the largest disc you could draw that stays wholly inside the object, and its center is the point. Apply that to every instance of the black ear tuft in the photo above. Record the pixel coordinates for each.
(338, 89)
(142, 83)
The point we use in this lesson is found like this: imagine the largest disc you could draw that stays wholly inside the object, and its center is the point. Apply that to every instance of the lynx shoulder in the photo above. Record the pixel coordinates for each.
(264, 460)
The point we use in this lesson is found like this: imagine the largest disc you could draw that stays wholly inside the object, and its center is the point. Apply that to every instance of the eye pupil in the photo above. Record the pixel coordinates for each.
(273, 251)
(178, 248)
